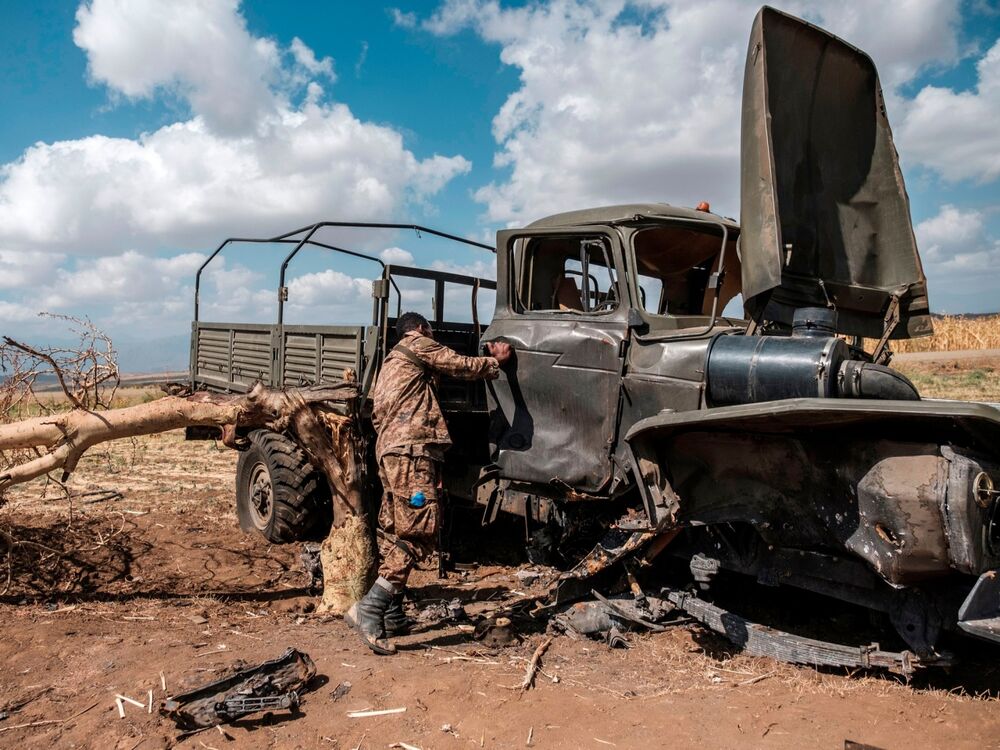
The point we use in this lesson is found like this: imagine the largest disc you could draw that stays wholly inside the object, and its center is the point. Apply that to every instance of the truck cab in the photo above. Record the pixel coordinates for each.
(609, 311)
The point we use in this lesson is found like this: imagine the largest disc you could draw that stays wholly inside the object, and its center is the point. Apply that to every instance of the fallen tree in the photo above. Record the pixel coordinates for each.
(320, 418)
(65, 436)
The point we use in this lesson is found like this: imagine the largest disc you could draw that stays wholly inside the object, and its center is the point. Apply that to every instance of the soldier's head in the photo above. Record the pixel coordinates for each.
(411, 321)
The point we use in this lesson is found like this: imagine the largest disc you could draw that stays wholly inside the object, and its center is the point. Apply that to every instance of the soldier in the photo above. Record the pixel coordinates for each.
(412, 439)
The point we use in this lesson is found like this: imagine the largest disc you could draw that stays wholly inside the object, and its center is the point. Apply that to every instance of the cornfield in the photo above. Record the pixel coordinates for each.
(955, 333)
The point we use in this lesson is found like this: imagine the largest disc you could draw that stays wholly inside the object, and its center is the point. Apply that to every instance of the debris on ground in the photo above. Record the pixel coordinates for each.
(450, 611)
(312, 563)
(275, 684)
(609, 619)
(528, 576)
(340, 691)
(495, 631)
(535, 664)
(378, 712)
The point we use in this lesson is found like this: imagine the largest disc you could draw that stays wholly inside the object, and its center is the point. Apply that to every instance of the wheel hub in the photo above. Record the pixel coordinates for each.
(261, 495)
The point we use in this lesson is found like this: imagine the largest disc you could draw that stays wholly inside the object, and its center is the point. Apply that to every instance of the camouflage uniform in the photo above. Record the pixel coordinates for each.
(412, 439)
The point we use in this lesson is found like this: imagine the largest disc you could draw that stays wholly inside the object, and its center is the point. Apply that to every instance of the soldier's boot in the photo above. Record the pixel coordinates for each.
(395, 621)
(367, 617)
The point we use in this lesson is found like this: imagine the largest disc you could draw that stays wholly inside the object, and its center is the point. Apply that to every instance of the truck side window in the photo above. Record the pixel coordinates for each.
(566, 274)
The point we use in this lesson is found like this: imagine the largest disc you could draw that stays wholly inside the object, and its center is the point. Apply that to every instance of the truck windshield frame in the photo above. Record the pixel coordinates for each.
(715, 279)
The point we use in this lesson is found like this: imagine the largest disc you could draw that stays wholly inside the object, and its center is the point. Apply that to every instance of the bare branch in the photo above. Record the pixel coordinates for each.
(56, 369)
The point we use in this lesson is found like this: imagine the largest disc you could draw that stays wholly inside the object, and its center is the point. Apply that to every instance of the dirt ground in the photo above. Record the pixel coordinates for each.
(155, 588)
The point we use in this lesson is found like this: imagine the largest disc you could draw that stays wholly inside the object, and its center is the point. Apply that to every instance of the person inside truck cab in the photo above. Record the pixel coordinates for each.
(412, 439)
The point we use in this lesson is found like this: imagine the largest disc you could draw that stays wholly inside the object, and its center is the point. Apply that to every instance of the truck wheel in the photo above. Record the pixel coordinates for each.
(278, 492)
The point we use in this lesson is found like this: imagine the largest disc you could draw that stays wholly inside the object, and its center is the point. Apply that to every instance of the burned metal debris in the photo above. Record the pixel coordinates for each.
(312, 564)
(758, 640)
(273, 685)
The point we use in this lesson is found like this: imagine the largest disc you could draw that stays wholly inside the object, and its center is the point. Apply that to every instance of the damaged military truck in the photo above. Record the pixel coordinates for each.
(773, 446)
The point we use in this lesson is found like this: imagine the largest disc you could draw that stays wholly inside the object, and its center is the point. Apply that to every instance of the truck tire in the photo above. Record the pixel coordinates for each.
(279, 494)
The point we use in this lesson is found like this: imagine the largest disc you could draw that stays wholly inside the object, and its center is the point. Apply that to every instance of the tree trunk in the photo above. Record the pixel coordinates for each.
(320, 418)
(65, 437)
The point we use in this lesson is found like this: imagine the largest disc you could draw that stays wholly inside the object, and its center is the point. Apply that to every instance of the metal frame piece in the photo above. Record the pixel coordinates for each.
(307, 232)
(763, 641)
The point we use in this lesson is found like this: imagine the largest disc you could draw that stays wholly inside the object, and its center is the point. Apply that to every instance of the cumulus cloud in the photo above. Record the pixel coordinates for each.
(249, 160)
(949, 234)
(20, 271)
(397, 256)
(327, 288)
(623, 101)
(128, 289)
(16, 312)
(200, 51)
(185, 185)
(955, 132)
(306, 58)
(961, 259)
(955, 241)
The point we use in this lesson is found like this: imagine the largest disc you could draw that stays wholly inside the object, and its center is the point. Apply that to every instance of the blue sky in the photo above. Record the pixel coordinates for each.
(135, 135)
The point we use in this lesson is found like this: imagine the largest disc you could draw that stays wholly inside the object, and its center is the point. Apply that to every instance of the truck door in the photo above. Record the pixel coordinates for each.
(560, 304)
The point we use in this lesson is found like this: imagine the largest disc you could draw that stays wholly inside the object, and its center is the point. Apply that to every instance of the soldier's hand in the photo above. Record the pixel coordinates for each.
(499, 350)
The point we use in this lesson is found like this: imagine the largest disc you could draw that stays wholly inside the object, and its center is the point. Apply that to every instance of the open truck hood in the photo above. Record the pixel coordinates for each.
(824, 212)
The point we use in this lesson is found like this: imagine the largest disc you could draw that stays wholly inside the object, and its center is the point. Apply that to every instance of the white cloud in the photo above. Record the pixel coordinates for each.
(329, 287)
(404, 20)
(15, 312)
(25, 270)
(249, 161)
(955, 243)
(483, 269)
(397, 256)
(123, 293)
(956, 133)
(127, 277)
(199, 50)
(949, 233)
(305, 57)
(184, 184)
(638, 101)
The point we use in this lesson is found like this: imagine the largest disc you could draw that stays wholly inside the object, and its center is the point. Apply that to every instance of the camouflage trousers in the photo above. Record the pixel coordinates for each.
(408, 534)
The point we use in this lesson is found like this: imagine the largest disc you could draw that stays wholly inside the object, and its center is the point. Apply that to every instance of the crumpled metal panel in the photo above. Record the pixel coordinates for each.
(554, 408)
(824, 211)
(870, 478)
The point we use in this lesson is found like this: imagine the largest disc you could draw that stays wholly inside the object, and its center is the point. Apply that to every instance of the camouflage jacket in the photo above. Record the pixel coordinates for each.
(406, 411)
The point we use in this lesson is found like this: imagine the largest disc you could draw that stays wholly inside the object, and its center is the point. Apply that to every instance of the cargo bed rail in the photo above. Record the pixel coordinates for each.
(232, 357)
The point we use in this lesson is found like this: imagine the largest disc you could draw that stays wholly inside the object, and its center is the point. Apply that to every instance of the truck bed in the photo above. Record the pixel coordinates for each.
(232, 357)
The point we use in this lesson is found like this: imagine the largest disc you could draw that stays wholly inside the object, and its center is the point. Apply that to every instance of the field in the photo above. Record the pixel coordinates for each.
(142, 581)
(954, 333)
